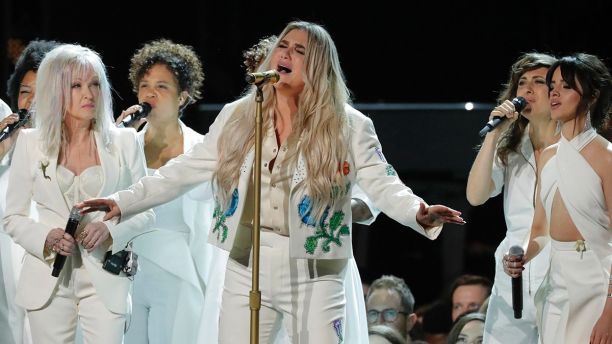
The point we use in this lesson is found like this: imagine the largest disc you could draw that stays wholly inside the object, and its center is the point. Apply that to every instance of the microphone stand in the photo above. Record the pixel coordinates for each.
(255, 294)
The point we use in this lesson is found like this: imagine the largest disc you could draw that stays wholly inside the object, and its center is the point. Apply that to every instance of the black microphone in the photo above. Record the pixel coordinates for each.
(145, 108)
(262, 77)
(517, 284)
(71, 227)
(24, 118)
(519, 105)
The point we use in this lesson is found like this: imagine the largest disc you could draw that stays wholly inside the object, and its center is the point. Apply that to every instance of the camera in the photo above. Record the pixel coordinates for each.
(125, 260)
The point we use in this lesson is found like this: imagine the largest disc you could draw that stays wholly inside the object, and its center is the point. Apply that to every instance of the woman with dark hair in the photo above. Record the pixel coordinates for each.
(573, 206)
(175, 256)
(508, 159)
(21, 88)
(315, 146)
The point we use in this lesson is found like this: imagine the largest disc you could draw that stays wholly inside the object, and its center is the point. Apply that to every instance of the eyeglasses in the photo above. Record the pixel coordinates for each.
(388, 315)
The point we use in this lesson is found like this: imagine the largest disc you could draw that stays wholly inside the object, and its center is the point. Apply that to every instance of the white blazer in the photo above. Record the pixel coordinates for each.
(365, 166)
(122, 164)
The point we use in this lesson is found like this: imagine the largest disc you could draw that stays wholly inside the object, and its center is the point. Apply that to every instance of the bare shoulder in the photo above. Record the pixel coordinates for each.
(599, 155)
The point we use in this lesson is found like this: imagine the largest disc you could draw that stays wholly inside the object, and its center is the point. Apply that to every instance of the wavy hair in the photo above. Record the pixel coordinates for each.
(29, 60)
(320, 123)
(53, 97)
(511, 138)
(594, 78)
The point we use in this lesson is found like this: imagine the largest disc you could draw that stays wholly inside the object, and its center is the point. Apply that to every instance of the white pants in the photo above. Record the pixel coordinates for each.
(166, 309)
(75, 296)
(306, 295)
(577, 295)
(500, 326)
(14, 326)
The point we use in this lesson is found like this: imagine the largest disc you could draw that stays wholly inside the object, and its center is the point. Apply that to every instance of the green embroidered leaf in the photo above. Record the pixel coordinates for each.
(311, 244)
(336, 220)
(344, 230)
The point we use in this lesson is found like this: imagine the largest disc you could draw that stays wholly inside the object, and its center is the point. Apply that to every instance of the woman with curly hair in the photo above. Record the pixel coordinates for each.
(175, 256)
(315, 147)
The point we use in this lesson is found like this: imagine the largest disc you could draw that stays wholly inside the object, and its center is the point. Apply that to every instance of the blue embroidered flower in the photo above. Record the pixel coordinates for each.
(304, 212)
(233, 204)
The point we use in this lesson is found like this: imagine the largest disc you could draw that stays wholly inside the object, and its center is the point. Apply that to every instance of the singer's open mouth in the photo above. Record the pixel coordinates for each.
(283, 69)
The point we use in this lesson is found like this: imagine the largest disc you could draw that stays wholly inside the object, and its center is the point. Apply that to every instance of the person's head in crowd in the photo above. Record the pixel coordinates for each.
(389, 301)
(468, 329)
(21, 85)
(257, 53)
(383, 334)
(468, 292)
(436, 322)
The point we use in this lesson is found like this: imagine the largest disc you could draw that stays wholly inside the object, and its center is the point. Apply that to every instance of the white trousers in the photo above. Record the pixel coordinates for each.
(500, 325)
(75, 299)
(165, 309)
(14, 326)
(577, 295)
(306, 296)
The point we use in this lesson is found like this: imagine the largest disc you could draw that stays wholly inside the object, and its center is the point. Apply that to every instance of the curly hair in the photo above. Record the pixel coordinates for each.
(181, 59)
(257, 53)
(29, 60)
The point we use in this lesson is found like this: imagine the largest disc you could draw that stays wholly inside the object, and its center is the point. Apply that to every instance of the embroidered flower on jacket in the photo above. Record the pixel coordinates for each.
(43, 166)
(221, 216)
(304, 212)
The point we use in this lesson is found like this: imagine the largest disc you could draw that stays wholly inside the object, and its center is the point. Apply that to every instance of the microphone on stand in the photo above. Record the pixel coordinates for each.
(262, 77)
(71, 227)
(517, 284)
(519, 105)
(145, 108)
(24, 118)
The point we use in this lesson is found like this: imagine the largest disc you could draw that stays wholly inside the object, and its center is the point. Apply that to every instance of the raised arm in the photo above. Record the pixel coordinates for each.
(486, 176)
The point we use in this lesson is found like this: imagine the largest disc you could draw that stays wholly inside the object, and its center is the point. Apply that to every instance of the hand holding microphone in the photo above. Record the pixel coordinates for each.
(64, 246)
(24, 118)
(507, 109)
(134, 116)
(513, 266)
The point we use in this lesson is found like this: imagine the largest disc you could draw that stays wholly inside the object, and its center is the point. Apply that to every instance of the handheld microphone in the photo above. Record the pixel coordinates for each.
(145, 108)
(519, 105)
(24, 118)
(517, 284)
(262, 77)
(71, 227)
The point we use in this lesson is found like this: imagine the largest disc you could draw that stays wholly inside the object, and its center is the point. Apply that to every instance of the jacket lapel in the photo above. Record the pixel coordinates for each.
(111, 166)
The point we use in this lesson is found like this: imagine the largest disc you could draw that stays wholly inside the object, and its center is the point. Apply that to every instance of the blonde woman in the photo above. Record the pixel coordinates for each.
(315, 148)
(73, 153)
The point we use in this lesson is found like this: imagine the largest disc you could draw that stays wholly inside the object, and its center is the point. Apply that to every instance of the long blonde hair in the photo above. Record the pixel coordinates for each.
(53, 97)
(320, 123)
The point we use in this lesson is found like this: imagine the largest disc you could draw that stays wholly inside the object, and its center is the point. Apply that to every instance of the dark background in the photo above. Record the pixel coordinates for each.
(431, 56)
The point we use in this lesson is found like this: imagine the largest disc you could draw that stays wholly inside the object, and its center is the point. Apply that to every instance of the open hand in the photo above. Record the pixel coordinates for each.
(430, 216)
(100, 204)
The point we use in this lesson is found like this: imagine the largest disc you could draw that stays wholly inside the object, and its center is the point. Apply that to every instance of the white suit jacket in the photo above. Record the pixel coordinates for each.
(326, 239)
(122, 164)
